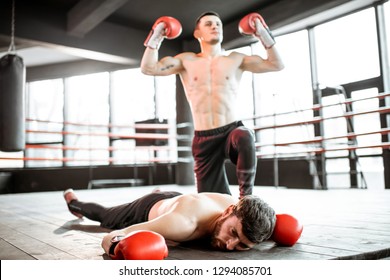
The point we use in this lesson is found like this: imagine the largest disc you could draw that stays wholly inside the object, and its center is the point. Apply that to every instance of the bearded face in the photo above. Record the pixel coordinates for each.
(228, 234)
(215, 241)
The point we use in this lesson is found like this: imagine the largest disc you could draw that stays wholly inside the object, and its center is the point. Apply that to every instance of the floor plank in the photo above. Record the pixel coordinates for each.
(10, 252)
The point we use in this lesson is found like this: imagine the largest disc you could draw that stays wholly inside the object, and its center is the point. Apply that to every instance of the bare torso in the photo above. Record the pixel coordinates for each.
(200, 208)
(211, 85)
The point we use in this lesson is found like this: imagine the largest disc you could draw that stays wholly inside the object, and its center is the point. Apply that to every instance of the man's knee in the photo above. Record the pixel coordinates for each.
(244, 138)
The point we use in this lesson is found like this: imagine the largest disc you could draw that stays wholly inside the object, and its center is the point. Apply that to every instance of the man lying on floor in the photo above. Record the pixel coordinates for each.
(228, 223)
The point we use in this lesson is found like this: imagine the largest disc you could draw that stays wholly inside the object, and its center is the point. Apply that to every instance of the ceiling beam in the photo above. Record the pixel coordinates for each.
(87, 14)
(108, 42)
(69, 69)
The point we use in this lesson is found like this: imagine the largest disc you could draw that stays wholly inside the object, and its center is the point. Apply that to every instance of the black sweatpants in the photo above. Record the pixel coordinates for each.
(121, 216)
(210, 149)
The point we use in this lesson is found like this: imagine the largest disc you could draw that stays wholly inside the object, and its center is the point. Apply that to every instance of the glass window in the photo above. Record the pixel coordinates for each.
(10, 160)
(132, 100)
(44, 106)
(133, 97)
(367, 122)
(166, 109)
(87, 114)
(166, 97)
(347, 49)
(372, 173)
(335, 125)
(338, 173)
(286, 96)
(387, 24)
(387, 78)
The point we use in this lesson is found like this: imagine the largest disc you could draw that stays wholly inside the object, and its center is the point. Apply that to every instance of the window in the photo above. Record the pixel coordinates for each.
(166, 97)
(337, 170)
(44, 108)
(87, 112)
(347, 53)
(387, 24)
(11, 159)
(132, 100)
(372, 172)
(347, 49)
(133, 97)
(370, 166)
(337, 167)
(335, 125)
(367, 122)
(286, 96)
(166, 110)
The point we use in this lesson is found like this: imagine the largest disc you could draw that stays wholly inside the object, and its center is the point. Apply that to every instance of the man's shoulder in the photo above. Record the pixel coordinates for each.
(236, 54)
(200, 194)
(186, 54)
(209, 197)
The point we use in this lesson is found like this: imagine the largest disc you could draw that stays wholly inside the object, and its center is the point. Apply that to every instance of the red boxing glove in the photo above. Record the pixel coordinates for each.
(140, 245)
(287, 230)
(164, 27)
(254, 24)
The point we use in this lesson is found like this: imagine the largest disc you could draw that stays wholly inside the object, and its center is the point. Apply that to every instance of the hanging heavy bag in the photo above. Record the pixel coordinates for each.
(12, 112)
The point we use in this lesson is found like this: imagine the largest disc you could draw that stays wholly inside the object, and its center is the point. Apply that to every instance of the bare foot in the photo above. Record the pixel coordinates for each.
(69, 196)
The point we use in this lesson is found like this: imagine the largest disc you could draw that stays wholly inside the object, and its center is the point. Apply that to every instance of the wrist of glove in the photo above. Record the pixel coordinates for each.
(139, 245)
(156, 36)
(264, 34)
(114, 242)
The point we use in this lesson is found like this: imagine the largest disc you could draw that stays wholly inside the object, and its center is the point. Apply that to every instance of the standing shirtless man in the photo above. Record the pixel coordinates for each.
(211, 82)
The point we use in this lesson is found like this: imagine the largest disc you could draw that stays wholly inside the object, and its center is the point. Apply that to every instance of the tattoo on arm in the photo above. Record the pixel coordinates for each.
(167, 67)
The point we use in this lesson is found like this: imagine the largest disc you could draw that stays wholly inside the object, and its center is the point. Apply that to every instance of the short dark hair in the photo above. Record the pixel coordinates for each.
(257, 218)
(208, 13)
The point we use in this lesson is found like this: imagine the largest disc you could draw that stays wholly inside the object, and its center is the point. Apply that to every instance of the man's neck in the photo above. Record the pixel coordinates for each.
(210, 51)
(212, 223)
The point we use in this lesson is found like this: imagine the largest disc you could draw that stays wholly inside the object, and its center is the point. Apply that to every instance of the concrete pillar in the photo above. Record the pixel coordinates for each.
(185, 165)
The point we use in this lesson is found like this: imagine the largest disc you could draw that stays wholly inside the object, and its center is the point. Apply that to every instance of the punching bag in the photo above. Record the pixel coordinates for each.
(12, 112)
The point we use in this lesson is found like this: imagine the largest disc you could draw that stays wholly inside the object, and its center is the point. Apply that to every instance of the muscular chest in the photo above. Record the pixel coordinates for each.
(217, 70)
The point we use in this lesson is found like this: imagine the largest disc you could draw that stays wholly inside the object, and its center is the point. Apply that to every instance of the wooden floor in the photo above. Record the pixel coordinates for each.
(338, 224)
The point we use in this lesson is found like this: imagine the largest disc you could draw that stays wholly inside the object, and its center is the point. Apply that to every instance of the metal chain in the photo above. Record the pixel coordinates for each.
(12, 45)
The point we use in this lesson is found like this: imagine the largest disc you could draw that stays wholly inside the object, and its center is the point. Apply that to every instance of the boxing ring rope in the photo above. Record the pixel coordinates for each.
(312, 146)
(135, 126)
(165, 136)
(383, 145)
(318, 107)
(317, 120)
(320, 139)
(319, 145)
(89, 130)
(152, 160)
(110, 148)
(153, 136)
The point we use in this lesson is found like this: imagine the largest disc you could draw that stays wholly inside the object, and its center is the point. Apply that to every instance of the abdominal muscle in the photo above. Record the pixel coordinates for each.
(212, 111)
(211, 106)
(211, 87)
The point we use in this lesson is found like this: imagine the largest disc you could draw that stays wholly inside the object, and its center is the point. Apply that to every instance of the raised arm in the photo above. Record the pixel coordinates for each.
(254, 25)
(150, 65)
(164, 27)
(257, 64)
